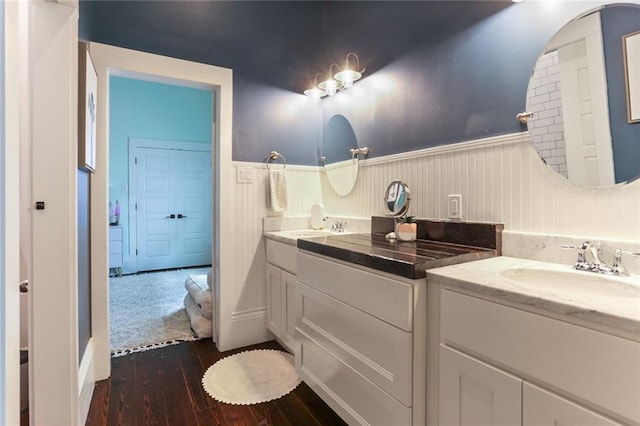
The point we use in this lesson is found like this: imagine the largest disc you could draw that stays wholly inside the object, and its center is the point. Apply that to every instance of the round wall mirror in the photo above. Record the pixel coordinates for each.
(340, 166)
(397, 198)
(578, 94)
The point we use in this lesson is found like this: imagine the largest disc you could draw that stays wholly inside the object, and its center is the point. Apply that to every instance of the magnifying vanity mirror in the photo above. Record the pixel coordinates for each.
(340, 165)
(578, 93)
(397, 198)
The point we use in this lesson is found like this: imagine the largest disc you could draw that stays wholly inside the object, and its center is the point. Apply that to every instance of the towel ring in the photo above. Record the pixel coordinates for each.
(275, 155)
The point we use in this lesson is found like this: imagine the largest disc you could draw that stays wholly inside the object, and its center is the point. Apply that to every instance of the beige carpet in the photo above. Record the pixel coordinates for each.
(251, 377)
(147, 310)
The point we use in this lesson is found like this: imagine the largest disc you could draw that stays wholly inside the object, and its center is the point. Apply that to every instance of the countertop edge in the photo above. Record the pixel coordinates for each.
(488, 283)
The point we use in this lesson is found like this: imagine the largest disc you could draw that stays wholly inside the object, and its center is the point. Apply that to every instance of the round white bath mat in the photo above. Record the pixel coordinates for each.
(251, 377)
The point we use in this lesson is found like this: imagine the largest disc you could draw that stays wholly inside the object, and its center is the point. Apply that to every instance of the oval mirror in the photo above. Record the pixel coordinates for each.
(340, 166)
(397, 198)
(578, 96)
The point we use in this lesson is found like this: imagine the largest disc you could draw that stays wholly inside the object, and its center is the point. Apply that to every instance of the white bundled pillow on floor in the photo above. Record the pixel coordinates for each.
(201, 325)
(195, 285)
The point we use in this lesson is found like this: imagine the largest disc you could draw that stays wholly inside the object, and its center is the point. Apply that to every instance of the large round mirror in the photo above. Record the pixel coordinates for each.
(397, 198)
(578, 94)
(340, 165)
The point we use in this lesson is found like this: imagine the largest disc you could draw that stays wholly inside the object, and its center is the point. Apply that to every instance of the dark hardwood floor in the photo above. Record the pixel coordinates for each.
(162, 387)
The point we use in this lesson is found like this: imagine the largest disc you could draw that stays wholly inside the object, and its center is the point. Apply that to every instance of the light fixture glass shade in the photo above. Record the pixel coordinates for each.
(347, 77)
(315, 93)
(330, 86)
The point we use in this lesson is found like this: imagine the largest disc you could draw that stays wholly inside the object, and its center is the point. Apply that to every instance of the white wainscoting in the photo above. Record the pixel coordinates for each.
(250, 204)
(501, 179)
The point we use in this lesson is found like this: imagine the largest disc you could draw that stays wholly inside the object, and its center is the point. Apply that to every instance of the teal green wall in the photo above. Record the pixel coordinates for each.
(143, 109)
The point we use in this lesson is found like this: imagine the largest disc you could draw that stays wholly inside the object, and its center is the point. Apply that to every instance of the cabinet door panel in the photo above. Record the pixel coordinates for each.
(542, 408)
(274, 301)
(475, 393)
(290, 300)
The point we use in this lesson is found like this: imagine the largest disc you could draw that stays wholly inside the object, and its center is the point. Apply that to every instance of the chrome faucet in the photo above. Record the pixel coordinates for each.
(597, 264)
(581, 263)
(336, 225)
(618, 268)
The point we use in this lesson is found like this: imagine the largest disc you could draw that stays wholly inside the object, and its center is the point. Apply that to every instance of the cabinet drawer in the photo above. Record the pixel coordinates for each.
(382, 297)
(115, 260)
(115, 247)
(115, 233)
(582, 362)
(376, 350)
(356, 399)
(281, 255)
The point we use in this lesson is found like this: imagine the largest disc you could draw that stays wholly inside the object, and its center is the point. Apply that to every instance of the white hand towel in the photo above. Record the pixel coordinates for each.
(278, 199)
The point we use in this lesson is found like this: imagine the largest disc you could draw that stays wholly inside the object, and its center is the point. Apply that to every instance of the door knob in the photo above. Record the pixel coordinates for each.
(180, 216)
(171, 216)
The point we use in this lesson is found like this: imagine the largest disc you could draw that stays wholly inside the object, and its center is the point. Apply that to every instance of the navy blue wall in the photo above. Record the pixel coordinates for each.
(84, 262)
(616, 22)
(437, 72)
(267, 118)
(84, 242)
(465, 87)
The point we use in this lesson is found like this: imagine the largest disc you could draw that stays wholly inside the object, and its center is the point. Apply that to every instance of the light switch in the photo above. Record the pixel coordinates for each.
(244, 175)
(455, 206)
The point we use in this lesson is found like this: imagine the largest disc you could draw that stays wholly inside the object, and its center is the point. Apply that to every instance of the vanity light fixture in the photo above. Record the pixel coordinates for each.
(348, 75)
(342, 80)
(315, 92)
(330, 85)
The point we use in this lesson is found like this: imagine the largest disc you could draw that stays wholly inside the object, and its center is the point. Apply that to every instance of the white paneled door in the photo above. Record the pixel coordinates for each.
(584, 103)
(173, 211)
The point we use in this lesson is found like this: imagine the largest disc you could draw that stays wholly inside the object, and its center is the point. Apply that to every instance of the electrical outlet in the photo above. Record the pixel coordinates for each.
(455, 207)
(243, 175)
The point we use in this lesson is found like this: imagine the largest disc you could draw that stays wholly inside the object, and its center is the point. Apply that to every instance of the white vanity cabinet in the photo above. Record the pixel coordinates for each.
(281, 291)
(473, 392)
(542, 407)
(502, 365)
(362, 340)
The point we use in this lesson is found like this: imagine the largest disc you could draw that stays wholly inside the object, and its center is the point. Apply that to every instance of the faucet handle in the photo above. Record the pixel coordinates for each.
(618, 268)
(581, 264)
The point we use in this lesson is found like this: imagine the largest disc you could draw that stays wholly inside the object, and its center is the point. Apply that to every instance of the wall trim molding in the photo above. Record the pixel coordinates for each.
(511, 138)
(508, 139)
(86, 382)
(249, 314)
(296, 167)
(248, 327)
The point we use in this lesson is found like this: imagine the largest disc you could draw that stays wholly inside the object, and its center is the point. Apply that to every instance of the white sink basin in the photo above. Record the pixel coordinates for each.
(574, 283)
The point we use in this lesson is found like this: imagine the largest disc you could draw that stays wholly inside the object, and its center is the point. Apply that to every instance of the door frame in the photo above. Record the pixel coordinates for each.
(130, 262)
(111, 60)
(9, 213)
(589, 30)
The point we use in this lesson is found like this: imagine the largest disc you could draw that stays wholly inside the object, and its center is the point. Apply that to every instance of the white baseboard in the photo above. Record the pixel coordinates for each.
(247, 328)
(86, 382)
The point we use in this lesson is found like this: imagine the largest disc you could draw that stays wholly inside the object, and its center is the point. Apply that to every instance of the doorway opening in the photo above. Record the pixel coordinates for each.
(160, 209)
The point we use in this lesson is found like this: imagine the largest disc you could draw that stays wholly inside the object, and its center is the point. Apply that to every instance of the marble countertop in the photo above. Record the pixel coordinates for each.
(613, 302)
